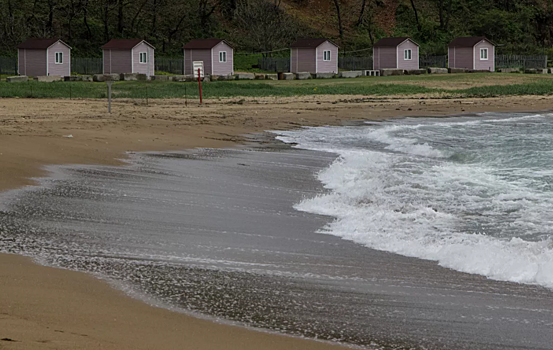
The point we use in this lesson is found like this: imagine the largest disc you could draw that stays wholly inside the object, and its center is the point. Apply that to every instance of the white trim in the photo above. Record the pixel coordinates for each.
(47, 65)
(329, 53)
(317, 60)
(337, 57)
(225, 54)
(474, 57)
(232, 66)
(140, 57)
(56, 57)
(211, 62)
(405, 54)
(493, 58)
(18, 63)
(482, 49)
(60, 41)
(70, 63)
(397, 57)
(132, 59)
(291, 58)
(184, 61)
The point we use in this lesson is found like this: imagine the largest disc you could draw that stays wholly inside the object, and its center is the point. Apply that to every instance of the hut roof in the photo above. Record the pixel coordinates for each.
(468, 41)
(310, 43)
(39, 44)
(392, 42)
(204, 44)
(124, 44)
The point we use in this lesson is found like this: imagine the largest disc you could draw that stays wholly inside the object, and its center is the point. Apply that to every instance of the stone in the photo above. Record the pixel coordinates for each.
(245, 76)
(142, 77)
(389, 71)
(271, 76)
(128, 76)
(415, 71)
(351, 74)
(19, 79)
(531, 71)
(206, 79)
(323, 75)
(457, 70)
(259, 76)
(226, 77)
(509, 70)
(161, 77)
(436, 70)
(303, 76)
(49, 78)
(105, 77)
(288, 76)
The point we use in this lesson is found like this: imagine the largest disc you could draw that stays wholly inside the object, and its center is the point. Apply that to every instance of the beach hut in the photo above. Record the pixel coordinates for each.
(128, 56)
(216, 56)
(396, 53)
(39, 57)
(477, 53)
(314, 56)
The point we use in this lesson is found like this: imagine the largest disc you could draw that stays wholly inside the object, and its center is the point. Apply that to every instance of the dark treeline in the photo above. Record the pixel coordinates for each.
(518, 26)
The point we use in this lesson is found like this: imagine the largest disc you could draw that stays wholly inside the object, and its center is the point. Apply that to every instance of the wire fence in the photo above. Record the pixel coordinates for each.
(8, 66)
(355, 63)
(520, 61)
(426, 61)
(86, 66)
(169, 65)
(274, 64)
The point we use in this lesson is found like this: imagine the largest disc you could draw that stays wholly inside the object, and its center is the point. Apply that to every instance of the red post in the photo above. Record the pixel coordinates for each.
(200, 84)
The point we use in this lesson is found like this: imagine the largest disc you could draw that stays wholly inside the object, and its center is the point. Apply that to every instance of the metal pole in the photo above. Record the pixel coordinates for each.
(109, 95)
(185, 96)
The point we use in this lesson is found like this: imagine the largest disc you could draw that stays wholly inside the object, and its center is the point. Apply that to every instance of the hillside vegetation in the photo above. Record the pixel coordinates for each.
(517, 26)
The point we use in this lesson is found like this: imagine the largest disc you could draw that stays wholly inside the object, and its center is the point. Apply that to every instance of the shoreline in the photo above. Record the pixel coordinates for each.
(43, 307)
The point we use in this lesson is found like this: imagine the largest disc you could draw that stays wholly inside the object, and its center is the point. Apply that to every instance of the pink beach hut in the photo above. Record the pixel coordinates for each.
(477, 53)
(39, 57)
(216, 55)
(128, 56)
(396, 53)
(314, 56)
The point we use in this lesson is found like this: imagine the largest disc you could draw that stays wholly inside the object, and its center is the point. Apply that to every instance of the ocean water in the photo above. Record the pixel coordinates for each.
(474, 193)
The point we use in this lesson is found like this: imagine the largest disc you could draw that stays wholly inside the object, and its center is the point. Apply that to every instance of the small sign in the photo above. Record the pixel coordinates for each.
(198, 65)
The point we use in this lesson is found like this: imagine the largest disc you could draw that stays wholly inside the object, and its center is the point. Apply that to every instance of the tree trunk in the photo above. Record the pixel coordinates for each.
(120, 25)
(340, 27)
(362, 13)
(416, 14)
(85, 20)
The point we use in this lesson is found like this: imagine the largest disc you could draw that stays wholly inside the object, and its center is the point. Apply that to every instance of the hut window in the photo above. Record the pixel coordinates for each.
(59, 57)
(222, 56)
(326, 55)
(143, 57)
(484, 54)
(408, 55)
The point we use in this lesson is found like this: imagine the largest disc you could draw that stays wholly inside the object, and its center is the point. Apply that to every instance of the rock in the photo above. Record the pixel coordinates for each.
(303, 76)
(161, 77)
(390, 71)
(105, 77)
(351, 74)
(206, 79)
(19, 79)
(288, 76)
(245, 76)
(142, 77)
(531, 71)
(49, 78)
(415, 71)
(509, 70)
(271, 76)
(259, 76)
(323, 75)
(226, 77)
(457, 70)
(128, 76)
(182, 78)
(436, 70)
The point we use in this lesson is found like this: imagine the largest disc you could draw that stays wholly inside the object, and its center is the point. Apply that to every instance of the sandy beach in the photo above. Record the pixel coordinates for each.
(46, 308)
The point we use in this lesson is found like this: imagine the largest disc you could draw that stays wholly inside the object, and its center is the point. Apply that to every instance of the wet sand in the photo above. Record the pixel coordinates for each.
(44, 308)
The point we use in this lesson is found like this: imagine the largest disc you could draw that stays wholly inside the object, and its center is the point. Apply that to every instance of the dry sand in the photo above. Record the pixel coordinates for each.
(46, 308)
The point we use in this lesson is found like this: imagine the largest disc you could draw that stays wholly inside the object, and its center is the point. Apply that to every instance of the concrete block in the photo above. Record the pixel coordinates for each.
(105, 77)
(142, 77)
(509, 70)
(303, 76)
(288, 76)
(371, 73)
(19, 79)
(128, 76)
(49, 78)
(457, 70)
(388, 72)
(183, 78)
(532, 71)
(161, 77)
(435, 70)
(78, 78)
(226, 77)
(245, 76)
(415, 71)
(271, 76)
(351, 74)
(323, 75)
(259, 76)
(87, 78)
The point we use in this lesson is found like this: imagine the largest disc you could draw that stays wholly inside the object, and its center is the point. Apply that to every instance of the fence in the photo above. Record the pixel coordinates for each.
(426, 61)
(355, 63)
(8, 66)
(274, 64)
(169, 65)
(520, 61)
(87, 66)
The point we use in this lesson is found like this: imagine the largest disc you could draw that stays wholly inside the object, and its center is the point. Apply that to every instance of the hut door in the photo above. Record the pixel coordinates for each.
(198, 65)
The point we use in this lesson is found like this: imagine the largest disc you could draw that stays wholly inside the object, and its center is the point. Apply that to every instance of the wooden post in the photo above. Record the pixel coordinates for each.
(200, 84)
